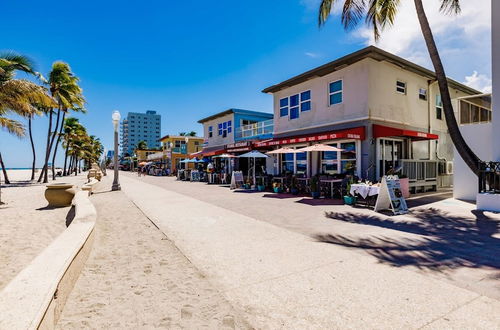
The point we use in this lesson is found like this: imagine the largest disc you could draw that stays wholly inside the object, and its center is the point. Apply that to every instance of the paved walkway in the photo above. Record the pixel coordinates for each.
(283, 279)
(135, 278)
(441, 237)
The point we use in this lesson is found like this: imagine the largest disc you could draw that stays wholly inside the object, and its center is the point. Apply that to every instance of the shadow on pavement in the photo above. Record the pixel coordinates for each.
(446, 241)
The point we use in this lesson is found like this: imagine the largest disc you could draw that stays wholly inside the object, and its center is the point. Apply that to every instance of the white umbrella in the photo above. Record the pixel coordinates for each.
(254, 154)
(284, 150)
(319, 147)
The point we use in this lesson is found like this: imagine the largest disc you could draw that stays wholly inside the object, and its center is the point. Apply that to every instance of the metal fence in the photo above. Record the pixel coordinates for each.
(489, 177)
(421, 173)
(256, 129)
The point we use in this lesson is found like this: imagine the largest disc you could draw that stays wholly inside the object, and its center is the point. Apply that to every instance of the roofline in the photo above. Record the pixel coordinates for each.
(367, 52)
(180, 137)
(234, 110)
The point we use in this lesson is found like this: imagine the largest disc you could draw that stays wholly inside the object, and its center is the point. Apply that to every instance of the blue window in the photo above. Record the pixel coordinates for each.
(294, 113)
(224, 125)
(220, 129)
(284, 102)
(284, 112)
(229, 127)
(305, 96)
(335, 92)
(294, 100)
(305, 106)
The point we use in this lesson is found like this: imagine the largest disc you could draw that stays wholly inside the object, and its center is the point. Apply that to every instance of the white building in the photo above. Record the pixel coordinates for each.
(383, 110)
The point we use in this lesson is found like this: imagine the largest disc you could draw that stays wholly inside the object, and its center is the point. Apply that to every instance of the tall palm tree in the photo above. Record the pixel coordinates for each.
(65, 90)
(18, 95)
(381, 13)
(72, 130)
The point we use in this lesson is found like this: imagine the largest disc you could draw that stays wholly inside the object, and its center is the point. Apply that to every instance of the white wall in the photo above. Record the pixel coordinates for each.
(495, 16)
(217, 140)
(465, 185)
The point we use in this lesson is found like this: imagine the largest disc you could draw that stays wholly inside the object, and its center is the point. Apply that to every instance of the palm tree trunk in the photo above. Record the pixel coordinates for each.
(4, 170)
(469, 157)
(46, 175)
(32, 149)
(57, 144)
(65, 160)
(76, 166)
(47, 150)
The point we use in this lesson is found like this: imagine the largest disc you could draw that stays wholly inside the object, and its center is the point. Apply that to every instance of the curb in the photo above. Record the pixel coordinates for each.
(35, 298)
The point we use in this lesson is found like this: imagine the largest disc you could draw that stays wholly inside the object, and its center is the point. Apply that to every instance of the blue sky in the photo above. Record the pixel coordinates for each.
(190, 59)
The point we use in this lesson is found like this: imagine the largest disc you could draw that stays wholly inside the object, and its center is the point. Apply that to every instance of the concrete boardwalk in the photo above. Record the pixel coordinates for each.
(282, 279)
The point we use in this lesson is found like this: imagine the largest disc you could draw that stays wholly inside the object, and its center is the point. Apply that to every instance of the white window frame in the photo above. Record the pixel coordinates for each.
(439, 107)
(405, 87)
(337, 92)
(298, 106)
(339, 154)
(426, 94)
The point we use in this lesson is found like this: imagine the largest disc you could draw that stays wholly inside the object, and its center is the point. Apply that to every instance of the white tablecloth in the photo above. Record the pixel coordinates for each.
(364, 190)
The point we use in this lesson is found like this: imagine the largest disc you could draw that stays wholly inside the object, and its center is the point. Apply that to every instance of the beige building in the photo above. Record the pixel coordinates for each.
(383, 110)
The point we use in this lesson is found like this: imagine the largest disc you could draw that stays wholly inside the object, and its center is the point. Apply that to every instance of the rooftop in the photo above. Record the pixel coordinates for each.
(179, 137)
(266, 115)
(368, 52)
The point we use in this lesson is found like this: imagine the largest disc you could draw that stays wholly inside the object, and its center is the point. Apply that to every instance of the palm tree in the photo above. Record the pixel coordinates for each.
(192, 133)
(142, 145)
(65, 90)
(379, 14)
(18, 95)
(71, 130)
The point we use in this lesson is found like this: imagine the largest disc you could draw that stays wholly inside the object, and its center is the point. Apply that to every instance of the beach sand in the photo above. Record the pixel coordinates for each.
(136, 278)
(26, 225)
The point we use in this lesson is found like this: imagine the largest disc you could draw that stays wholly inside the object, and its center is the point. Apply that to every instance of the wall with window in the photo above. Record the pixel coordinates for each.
(220, 134)
(340, 95)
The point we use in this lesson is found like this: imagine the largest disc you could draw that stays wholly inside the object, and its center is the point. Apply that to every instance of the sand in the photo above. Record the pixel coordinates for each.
(136, 278)
(26, 226)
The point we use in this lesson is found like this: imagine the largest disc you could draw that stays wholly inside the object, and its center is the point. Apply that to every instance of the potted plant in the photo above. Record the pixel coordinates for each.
(277, 187)
(315, 188)
(260, 184)
(348, 198)
(247, 184)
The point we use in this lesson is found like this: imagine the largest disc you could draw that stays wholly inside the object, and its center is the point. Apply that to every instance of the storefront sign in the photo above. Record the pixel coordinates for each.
(391, 196)
(239, 146)
(352, 133)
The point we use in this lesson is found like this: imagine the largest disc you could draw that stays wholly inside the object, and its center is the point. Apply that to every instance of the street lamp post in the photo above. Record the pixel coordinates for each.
(116, 121)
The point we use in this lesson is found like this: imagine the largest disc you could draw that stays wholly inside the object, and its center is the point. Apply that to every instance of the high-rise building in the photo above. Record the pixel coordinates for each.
(140, 127)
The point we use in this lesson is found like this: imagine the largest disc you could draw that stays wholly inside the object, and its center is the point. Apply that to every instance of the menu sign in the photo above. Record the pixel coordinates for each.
(237, 180)
(391, 196)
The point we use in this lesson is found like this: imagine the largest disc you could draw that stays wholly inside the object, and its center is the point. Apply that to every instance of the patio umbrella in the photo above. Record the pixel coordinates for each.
(254, 154)
(284, 150)
(319, 148)
(226, 158)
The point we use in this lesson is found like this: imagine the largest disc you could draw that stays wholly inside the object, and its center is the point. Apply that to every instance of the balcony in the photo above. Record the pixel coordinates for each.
(254, 131)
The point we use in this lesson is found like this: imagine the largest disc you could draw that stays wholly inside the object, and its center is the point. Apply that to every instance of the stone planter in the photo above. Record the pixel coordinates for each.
(59, 194)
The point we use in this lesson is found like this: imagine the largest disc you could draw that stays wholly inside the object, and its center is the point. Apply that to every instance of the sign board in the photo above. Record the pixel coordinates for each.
(391, 196)
(195, 175)
(237, 180)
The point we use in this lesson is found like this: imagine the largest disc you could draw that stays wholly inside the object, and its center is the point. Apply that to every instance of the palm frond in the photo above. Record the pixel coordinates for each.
(450, 6)
(12, 126)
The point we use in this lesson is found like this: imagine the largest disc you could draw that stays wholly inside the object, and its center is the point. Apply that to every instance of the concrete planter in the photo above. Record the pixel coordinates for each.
(405, 186)
(59, 194)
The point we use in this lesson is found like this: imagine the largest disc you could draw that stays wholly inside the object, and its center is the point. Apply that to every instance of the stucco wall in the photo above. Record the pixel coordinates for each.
(217, 140)
(465, 182)
(354, 105)
(496, 78)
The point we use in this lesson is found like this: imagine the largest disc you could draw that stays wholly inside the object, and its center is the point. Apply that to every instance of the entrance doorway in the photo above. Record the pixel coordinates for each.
(390, 153)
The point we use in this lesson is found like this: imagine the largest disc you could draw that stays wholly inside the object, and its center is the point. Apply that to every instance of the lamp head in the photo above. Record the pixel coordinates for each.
(116, 116)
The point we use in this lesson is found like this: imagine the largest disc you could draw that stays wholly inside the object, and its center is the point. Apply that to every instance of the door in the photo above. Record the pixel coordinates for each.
(391, 152)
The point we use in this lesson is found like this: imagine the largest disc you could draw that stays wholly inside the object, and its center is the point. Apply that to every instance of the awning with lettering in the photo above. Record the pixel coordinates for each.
(239, 146)
(357, 133)
(212, 151)
(386, 131)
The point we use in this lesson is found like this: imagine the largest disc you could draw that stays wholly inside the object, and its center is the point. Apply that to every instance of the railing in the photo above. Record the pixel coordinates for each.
(256, 129)
(421, 173)
(489, 177)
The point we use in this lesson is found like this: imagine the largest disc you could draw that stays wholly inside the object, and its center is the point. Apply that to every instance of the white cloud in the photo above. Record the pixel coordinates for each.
(464, 41)
(312, 55)
(479, 81)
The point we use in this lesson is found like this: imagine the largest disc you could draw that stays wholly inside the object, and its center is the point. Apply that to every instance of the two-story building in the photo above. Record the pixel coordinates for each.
(384, 112)
(177, 148)
(234, 130)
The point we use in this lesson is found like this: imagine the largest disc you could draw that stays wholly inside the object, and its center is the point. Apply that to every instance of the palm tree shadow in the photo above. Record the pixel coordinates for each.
(446, 241)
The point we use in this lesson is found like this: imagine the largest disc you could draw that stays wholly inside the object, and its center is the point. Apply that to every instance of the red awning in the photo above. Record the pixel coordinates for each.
(357, 133)
(213, 151)
(385, 131)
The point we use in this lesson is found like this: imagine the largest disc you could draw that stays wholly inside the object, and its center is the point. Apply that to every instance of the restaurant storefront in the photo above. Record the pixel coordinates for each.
(327, 162)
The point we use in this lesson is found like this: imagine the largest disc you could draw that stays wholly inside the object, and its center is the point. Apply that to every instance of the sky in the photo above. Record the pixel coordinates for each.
(190, 59)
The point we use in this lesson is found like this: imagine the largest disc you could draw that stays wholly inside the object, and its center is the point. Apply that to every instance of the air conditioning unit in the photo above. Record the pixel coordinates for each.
(449, 167)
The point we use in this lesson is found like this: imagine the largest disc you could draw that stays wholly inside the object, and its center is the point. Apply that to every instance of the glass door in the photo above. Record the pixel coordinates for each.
(390, 154)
